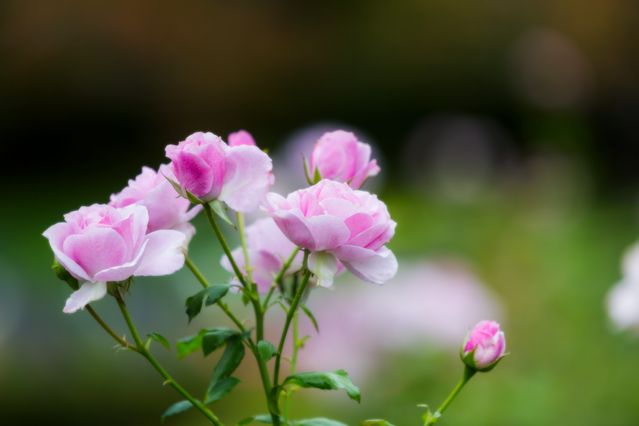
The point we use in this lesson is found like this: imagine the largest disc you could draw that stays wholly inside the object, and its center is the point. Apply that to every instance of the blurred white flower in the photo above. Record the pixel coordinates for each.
(623, 299)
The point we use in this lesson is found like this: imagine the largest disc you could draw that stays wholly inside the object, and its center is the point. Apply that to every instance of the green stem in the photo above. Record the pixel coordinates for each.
(289, 318)
(204, 282)
(257, 307)
(109, 330)
(224, 244)
(296, 350)
(468, 374)
(277, 281)
(169, 379)
(244, 245)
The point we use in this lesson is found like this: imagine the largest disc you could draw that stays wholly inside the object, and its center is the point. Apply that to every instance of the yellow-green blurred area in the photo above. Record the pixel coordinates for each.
(508, 139)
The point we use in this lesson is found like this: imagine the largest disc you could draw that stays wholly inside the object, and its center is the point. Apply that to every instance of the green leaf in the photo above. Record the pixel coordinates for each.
(160, 339)
(266, 350)
(219, 389)
(376, 422)
(230, 360)
(213, 338)
(318, 421)
(177, 408)
(307, 173)
(189, 344)
(206, 297)
(328, 381)
(219, 210)
(65, 276)
(178, 188)
(221, 382)
(311, 317)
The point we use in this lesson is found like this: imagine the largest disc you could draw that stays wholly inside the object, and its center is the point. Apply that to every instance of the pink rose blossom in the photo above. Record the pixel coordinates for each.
(340, 156)
(338, 224)
(210, 169)
(166, 209)
(100, 243)
(268, 250)
(241, 137)
(484, 346)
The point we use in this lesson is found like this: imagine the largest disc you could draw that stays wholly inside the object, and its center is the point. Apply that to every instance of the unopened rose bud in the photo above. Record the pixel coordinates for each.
(341, 157)
(241, 137)
(484, 347)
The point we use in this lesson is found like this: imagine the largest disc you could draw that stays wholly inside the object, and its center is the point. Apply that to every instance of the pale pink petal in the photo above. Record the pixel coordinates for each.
(328, 232)
(164, 253)
(123, 271)
(248, 178)
(87, 293)
(323, 265)
(96, 249)
(56, 235)
(295, 229)
(375, 267)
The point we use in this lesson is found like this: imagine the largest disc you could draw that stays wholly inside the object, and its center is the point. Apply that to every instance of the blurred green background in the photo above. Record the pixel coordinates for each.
(507, 133)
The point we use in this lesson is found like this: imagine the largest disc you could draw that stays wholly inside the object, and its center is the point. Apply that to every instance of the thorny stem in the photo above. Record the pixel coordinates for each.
(257, 307)
(142, 350)
(109, 330)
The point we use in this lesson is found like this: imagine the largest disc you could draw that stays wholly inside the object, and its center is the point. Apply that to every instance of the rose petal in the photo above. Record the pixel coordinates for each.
(248, 178)
(163, 254)
(56, 235)
(324, 266)
(87, 293)
(375, 267)
(328, 231)
(98, 248)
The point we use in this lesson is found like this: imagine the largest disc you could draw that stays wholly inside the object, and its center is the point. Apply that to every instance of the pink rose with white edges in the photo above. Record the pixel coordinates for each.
(211, 170)
(341, 157)
(484, 346)
(166, 209)
(338, 224)
(268, 250)
(100, 243)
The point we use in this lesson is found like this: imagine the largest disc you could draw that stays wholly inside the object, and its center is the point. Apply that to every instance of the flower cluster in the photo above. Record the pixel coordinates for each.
(341, 226)
(301, 241)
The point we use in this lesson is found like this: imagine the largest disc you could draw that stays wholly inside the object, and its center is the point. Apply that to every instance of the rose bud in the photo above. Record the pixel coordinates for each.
(340, 226)
(241, 137)
(484, 347)
(340, 156)
(210, 169)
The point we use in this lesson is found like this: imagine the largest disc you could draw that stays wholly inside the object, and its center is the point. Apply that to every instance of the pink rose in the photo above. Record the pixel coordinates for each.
(210, 169)
(152, 190)
(340, 156)
(100, 243)
(338, 224)
(484, 346)
(241, 137)
(268, 250)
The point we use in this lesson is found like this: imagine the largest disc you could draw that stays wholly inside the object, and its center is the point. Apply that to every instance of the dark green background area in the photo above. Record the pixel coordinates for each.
(91, 91)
